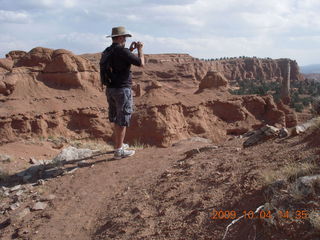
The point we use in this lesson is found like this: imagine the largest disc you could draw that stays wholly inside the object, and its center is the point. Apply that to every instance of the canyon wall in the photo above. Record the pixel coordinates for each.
(48, 92)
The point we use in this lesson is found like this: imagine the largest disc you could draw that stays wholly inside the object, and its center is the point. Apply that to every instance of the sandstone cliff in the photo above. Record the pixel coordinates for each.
(48, 92)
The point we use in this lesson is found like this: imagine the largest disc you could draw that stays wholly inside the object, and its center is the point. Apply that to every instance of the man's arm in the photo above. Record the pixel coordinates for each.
(140, 53)
(133, 59)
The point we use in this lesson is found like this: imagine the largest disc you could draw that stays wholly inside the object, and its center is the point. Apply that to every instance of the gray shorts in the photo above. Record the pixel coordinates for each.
(120, 105)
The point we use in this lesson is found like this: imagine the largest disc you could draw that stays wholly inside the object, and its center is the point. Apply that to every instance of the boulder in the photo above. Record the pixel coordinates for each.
(72, 153)
(213, 80)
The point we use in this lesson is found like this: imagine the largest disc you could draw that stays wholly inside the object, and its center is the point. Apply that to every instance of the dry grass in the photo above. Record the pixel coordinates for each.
(92, 144)
(137, 144)
(84, 143)
(289, 172)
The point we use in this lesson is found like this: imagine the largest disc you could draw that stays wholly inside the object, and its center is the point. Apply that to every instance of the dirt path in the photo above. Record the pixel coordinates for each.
(80, 197)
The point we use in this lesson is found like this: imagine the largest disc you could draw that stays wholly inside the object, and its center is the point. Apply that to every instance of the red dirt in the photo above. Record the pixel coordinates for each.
(160, 193)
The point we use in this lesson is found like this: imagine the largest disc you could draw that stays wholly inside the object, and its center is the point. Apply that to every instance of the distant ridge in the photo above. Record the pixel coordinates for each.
(313, 68)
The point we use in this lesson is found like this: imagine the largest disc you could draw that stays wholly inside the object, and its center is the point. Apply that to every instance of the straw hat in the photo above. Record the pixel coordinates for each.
(119, 31)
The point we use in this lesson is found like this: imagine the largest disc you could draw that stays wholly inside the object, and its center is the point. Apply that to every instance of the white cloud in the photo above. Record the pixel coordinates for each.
(14, 17)
(80, 42)
(204, 28)
(133, 17)
(9, 43)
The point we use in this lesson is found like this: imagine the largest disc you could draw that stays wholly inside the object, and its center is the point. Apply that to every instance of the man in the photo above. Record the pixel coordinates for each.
(119, 88)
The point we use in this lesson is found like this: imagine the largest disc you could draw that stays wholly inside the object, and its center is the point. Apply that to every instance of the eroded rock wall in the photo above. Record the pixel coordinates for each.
(48, 92)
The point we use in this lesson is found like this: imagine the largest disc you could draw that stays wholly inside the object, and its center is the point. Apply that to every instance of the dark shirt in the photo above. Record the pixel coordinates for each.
(121, 61)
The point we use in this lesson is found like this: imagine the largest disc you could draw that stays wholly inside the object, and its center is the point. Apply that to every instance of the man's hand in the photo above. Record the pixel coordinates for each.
(133, 46)
(139, 45)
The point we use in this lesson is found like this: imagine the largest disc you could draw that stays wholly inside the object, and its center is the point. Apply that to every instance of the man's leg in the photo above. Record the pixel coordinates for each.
(120, 133)
(120, 151)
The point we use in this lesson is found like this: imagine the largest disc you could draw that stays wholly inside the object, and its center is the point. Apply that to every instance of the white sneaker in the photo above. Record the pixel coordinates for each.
(125, 146)
(122, 153)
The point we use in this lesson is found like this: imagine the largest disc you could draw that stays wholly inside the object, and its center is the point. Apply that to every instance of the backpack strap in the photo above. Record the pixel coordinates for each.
(105, 67)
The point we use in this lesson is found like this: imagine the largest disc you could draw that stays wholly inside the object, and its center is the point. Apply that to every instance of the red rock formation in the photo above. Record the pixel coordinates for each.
(290, 115)
(6, 65)
(54, 92)
(213, 80)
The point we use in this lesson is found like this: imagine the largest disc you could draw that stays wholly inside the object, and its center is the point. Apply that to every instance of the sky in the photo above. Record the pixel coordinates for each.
(201, 28)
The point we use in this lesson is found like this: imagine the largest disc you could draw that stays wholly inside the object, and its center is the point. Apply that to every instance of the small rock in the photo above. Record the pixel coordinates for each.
(33, 161)
(49, 197)
(21, 214)
(14, 206)
(19, 193)
(5, 158)
(298, 130)
(39, 206)
(15, 188)
(40, 182)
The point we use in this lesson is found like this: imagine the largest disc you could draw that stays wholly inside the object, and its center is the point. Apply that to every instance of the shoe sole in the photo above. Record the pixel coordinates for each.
(123, 156)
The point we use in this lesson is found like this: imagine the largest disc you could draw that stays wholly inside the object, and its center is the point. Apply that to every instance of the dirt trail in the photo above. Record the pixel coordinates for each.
(83, 195)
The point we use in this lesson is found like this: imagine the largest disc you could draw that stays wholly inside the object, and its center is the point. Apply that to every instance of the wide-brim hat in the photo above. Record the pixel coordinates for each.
(119, 31)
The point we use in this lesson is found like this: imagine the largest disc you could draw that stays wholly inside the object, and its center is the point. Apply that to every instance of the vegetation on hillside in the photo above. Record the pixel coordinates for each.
(302, 92)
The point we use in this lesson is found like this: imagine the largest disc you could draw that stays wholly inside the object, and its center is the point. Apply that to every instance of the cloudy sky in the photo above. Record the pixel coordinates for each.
(202, 28)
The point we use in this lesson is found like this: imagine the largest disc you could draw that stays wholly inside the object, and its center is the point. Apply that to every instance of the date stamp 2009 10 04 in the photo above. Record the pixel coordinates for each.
(250, 214)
